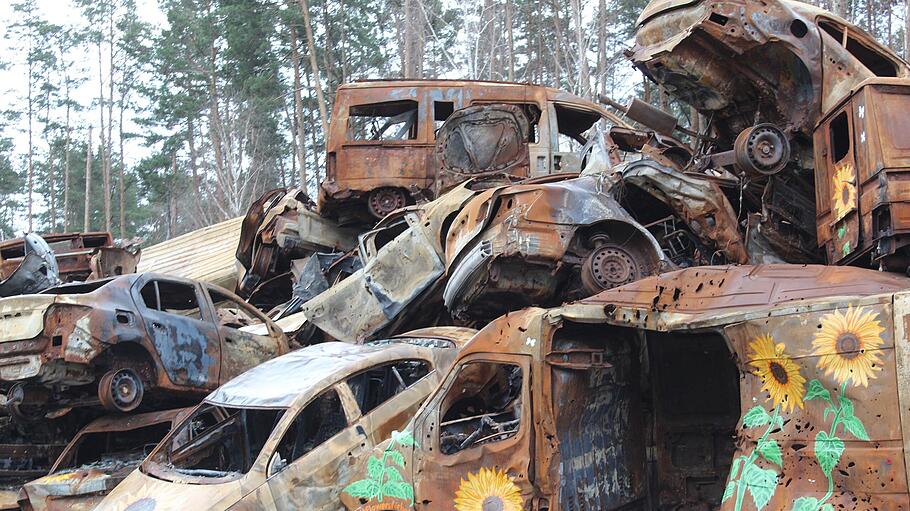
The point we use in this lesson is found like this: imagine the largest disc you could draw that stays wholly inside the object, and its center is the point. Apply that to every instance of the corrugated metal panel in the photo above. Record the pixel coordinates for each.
(205, 254)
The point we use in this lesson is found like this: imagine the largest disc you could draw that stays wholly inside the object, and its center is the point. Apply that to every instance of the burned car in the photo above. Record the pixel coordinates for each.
(400, 284)
(805, 108)
(543, 244)
(77, 256)
(255, 444)
(381, 150)
(726, 387)
(35, 271)
(113, 341)
(101, 455)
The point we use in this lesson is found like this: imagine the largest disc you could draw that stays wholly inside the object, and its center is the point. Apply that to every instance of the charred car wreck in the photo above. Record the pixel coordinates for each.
(605, 403)
(110, 342)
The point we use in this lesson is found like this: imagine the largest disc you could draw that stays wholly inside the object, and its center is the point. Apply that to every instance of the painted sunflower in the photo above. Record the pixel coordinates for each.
(844, 197)
(847, 345)
(488, 490)
(779, 374)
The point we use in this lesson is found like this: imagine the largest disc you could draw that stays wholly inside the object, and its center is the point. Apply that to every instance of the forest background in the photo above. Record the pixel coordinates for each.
(151, 118)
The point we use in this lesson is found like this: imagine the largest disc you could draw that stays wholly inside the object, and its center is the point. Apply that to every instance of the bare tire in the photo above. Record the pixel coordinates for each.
(383, 201)
(121, 390)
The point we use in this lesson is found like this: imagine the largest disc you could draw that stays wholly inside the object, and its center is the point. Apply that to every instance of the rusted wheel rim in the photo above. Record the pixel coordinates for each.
(383, 201)
(120, 390)
(608, 266)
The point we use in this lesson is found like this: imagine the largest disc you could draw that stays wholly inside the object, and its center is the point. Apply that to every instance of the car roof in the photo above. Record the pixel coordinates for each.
(279, 382)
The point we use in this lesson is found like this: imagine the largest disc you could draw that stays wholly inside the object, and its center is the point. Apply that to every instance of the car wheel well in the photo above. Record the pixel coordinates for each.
(127, 354)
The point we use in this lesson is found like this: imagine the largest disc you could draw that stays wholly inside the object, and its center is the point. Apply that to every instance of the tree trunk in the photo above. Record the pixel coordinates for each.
(109, 152)
(311, 48)
(105, 172)
(121, 183)
(907, 29)
(172, 201)
(584, 71)
(601, 80)
(66, 168)
(31, 150)
(300, 137)
(510, 40)
(87, 223)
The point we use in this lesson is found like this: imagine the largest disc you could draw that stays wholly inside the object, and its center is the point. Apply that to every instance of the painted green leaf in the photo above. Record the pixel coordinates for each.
(805, 504)
(846, 406)
(761, 484)
(771, 452)
(828, 507)
(828, 450)
(728, 492)
(399, 490)
(396, 458)
(403, 438)
(855, 427)
(374, 468)
(365, 488)
(392, 474)
(817, 391)
(756, 417)
(778, 421)
(734, 469)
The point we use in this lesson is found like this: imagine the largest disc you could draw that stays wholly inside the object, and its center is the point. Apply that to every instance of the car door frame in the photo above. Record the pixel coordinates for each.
(518, 449)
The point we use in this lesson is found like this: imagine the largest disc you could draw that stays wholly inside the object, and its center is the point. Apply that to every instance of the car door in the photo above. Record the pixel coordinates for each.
(240, 349)
(185, 340)
(837, 178)
(316, 452)
(478, 428)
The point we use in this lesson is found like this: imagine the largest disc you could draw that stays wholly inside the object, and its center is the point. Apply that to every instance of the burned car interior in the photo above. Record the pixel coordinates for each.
(662, 425)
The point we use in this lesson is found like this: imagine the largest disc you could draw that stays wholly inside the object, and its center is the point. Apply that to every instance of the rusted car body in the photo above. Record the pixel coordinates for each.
(97, 459)
(36, 270)
(543, 244)
(335, 401)
(400, 284)
(806, 107)
(725, 387)
(382, 141)
(111, 340)
(79, 256)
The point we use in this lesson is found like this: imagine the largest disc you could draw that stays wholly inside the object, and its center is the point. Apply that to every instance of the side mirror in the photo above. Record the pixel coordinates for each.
(276, 464)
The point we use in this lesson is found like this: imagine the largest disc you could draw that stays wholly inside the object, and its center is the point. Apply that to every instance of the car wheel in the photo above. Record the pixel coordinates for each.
(383, 201)
(609, 266)
(121, 390)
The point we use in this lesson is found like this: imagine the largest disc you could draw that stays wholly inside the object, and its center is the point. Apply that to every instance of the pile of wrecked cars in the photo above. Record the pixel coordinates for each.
(507, 297)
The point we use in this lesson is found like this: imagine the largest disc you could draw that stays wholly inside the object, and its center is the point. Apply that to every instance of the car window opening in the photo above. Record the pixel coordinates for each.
(376, 386)
(319, 421)
(483, 406)
(392, 120)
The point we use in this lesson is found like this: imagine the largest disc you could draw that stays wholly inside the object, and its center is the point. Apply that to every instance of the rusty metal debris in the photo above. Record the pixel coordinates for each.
(97, 459)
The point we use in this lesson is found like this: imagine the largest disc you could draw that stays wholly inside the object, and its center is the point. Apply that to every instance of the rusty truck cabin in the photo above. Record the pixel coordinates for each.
(862, 155)
(776, 387)
(382, 136)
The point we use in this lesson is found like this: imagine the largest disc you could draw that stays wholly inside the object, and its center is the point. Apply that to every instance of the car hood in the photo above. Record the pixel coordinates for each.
(143, 492)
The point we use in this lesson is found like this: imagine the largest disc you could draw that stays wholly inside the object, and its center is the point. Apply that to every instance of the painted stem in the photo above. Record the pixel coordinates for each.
(740, 487)
(831, 433)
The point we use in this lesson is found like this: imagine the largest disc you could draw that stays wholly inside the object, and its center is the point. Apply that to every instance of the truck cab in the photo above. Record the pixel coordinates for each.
(381, 147)
(607, 403)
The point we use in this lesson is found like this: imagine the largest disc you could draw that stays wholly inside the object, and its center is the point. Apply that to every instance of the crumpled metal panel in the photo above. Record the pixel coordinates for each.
(697, 200)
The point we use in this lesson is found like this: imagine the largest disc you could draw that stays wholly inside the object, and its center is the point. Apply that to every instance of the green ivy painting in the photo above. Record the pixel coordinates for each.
(384, 478)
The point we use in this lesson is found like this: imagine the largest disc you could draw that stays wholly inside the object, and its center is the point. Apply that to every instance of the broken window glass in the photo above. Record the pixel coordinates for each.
(217, 442)
(375, 386)
(392, 120)
(483, 405)
(171, 297)
(229, 312)
(322, 419)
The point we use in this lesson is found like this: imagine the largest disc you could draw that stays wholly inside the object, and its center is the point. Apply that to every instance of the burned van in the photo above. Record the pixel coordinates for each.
(728, 387)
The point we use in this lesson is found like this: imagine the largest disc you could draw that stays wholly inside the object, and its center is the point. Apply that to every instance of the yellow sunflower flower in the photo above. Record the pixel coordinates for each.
(844, 197)
(779, 375)
(488, 490)
(847, 345)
